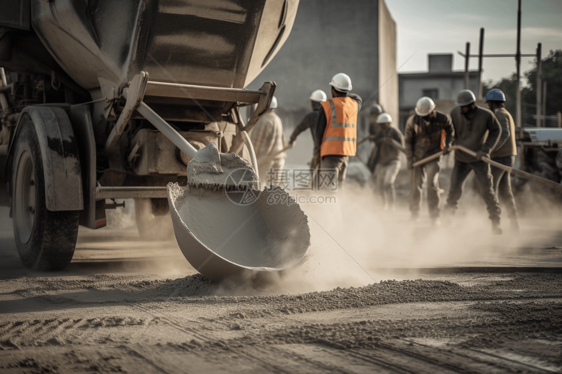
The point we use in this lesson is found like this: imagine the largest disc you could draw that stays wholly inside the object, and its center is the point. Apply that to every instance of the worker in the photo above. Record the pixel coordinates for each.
(373, 130)
(427, 132)
(336, 130)
(388, 144)
(269, 140)
(505, 155)
(309, 121)
(471, 124)
(374, 112)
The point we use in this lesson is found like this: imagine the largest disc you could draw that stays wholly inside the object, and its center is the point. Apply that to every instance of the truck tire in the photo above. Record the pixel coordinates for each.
(45, 240)
(153, 219)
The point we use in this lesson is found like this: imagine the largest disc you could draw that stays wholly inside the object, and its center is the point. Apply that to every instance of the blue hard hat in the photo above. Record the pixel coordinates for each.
(495, 95)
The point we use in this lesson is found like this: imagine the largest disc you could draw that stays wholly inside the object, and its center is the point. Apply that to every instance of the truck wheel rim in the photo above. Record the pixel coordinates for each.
(25, 198)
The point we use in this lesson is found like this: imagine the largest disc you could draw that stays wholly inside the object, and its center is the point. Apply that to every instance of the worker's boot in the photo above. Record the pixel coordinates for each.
(496, 229)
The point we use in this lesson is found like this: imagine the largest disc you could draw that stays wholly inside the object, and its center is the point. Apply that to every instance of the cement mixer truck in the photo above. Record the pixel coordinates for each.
(74, 74)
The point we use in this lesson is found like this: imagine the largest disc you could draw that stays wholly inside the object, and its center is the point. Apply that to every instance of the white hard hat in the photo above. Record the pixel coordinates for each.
(273, 104)
(341, 82)
(424, 106)
(319, 96)
(384, 118)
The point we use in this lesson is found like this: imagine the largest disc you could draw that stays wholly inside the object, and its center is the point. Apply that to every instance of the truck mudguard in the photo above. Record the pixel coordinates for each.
(59, 152)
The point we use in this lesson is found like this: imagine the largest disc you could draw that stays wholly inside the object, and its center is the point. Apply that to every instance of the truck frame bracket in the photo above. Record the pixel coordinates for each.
(134, 94)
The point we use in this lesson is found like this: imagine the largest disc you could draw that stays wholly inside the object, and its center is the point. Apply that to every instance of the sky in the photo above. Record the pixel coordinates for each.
(444, 26)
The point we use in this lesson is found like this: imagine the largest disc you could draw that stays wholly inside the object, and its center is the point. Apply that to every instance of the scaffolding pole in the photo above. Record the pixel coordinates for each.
(466, 65)
(518, 63)
(480, 60)
(539, 84)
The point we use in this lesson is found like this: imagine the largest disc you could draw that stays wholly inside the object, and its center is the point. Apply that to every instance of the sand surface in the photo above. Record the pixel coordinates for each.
(125, 305)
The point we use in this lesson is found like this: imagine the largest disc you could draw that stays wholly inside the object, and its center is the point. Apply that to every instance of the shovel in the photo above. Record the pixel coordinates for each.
(521, 174)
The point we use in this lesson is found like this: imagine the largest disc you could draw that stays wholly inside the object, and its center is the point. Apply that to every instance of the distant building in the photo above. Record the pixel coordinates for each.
(328, 37)
(440, 83)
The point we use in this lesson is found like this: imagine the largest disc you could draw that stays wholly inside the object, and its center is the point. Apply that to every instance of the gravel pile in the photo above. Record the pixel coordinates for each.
(385, 292)
(193, 285)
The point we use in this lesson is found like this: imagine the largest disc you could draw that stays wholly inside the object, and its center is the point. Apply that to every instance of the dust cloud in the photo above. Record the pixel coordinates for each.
(357, 242)
(354, 243)
(122, 218)
(119, 247)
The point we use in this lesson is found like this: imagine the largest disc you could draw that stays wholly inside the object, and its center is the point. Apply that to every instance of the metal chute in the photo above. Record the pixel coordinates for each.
(222, 238)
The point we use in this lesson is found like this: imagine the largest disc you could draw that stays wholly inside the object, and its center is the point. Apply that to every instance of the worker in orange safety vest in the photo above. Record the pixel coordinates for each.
(336, 131)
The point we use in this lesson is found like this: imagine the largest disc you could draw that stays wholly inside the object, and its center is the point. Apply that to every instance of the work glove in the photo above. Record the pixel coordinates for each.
(446, 149)
(480, 154)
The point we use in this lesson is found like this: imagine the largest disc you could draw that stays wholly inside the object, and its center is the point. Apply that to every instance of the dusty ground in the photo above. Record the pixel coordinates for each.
(125, 305)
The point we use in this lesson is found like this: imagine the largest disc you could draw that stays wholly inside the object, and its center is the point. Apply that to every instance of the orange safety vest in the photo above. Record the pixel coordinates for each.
(340, 135)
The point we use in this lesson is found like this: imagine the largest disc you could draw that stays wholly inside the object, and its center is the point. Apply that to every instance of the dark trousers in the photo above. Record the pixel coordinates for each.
(484, 178)
(334, 167)
(502, 186)
(418, 176)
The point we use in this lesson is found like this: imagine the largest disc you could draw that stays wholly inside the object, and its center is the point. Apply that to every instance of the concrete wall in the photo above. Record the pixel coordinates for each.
(388, 77)
(329, 37)
(448, 84)
(440, 62)
(411, 89)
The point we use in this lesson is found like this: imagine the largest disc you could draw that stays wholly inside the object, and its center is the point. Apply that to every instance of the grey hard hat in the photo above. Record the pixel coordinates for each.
(376, 109)
(465, 97)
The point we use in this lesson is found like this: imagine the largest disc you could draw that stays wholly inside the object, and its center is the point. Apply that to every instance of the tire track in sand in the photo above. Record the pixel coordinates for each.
(264, 357)
(179, 324)
(6, 327)
(62, 330)
(36, 330)
(52, 331)
(485, 358)
(15, 328)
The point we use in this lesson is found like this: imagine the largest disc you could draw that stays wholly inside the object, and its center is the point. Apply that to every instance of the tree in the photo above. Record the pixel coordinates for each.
(509, 87)
(552, 74)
